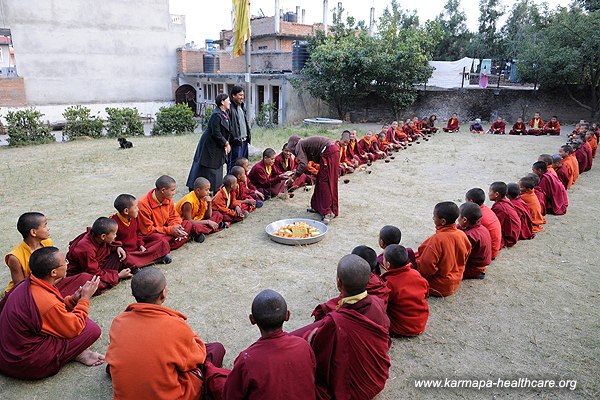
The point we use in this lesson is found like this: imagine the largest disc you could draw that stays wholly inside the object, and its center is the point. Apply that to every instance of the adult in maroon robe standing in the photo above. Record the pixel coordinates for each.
(351, 344)
(326, 153)
(555, 194)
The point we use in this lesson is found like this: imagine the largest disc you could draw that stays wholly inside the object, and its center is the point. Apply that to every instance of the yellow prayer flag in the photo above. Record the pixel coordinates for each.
(241, 15)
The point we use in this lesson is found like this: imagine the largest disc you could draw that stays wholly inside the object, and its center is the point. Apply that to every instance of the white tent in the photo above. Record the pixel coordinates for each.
(448, 74)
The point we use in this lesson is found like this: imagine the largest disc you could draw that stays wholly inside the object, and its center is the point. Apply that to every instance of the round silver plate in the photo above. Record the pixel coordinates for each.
(274, 227)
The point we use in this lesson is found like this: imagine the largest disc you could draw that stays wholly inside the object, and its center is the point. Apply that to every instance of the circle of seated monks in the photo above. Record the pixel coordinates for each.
(44, 320)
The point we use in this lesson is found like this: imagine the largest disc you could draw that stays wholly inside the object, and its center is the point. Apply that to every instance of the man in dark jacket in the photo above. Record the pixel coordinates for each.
(239, 127)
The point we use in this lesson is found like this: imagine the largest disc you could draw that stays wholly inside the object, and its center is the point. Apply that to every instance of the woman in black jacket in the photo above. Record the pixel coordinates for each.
(213, 147)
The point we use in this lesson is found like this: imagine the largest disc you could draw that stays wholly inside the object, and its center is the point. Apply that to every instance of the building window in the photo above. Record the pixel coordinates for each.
(263, 47)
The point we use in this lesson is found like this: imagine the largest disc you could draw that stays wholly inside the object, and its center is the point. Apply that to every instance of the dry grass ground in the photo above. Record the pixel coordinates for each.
(535, 315)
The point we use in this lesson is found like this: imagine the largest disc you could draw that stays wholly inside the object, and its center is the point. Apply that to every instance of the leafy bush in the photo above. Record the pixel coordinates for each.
(174, 120)
(266, 116)
(25, 127)
(80, 123)
(123, 122)
(208, 110)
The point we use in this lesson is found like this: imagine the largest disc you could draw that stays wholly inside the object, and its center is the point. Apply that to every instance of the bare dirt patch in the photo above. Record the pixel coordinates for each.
(535, 315)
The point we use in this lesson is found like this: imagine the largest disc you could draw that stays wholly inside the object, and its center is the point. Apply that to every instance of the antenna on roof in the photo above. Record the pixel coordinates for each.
(262, 14)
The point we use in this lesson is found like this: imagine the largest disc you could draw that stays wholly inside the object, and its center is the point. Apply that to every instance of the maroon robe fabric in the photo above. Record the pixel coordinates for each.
(131, 239)
(525, 215)
(367, 148)
(269, 185)
(376, 287)
(555, 194)
(412, 258)
(243, 193)
(280, 168)
(498, 127)
(541, 198)
(584, 158)
(70, 284)
(25, 351)
(481, 250)
(351, 351)
(279, 367)
(357, 153)
(87, 255)
(509, 221)
(563, 176)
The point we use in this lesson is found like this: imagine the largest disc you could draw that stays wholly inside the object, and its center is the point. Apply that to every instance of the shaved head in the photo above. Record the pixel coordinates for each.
(238, 171)
(164, 182)
(269, 310)
(354, 273)
(512, 190)
(471, 211)
(201, 182)
(476, 195)
(547, 158)
(147, 285)
(229, 181)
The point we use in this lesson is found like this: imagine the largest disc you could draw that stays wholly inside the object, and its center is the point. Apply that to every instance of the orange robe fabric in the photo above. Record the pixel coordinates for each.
(535, 209)
(574, 166)
(22, 252)
(226, 206)
(442, 258)
(154, 354)
(491, 222)
(593, 142)
(568, 167)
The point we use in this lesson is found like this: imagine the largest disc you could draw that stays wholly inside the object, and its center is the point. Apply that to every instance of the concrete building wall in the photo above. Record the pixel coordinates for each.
(84, 51)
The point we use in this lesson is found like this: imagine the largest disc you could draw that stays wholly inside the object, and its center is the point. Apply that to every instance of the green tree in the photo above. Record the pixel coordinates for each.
(454, 36)
(524, 20)
(402, 57)
(81, 122)
(486, 44)
(564, 54)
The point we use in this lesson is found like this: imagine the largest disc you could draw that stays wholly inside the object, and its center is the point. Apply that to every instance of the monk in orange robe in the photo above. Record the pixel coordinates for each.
(488, 219)
(453, 125)
(347, 163)
(441, 258)
(196, 207)
(552, 127)
(142, 362)
(365, 144)
(536, 125)
(381, 144)
(591, 139)
(40, 331)
(227, 204)
(158, 215)
(569, 161)
(33, 226)
(526, 187)
(392, 135)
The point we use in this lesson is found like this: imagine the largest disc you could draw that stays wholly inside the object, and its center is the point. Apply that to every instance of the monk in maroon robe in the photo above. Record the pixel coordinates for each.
(479, 236)
(323, 151)
(514, 195)
(583, 154)
(284, 162)
(453, 124)
(352, 343)
(510, 223)
(265, 178)
(365, 144)
(355, 151)
(555, 194)
(278, 365)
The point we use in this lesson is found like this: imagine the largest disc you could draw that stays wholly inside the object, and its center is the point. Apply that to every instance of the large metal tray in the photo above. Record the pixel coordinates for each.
(274, 227)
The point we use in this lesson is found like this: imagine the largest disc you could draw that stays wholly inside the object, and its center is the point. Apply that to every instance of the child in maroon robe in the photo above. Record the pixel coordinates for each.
(226, 202)
(518, 128)
(510, 222)
(453, 125)
(255, 193)
(243, 193)
(265, 177)
(498, 127)
(140, 251)
(388, 235)
(469, 221)
(40, 331)
(513, 193)
(407, 306)
(284, 162)
(96, 252)
(276, 366)
(553, 193)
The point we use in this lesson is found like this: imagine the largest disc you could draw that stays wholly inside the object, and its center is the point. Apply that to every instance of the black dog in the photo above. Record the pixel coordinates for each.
(124, 143)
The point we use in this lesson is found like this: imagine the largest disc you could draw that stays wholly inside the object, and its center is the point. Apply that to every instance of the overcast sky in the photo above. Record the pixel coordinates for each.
(206, 18)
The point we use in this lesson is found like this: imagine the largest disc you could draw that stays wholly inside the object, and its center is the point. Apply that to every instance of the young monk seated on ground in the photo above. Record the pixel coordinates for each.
(453, 125)
(243, 193)
(536, 125)
(488, 218)
(498, 127)
(252, 190)
(431, 124)
(196, 207)
(278, 366)
(577, 129)
(142, 362)
(442, 257)
(513, 194)
(480, 257)
(140, 251)
(40, 331)
(284, 162)
(391, 136)
(351, 344)
(366, 145)
(94, 252)
(417, 126)
(506, 213)
(407, 305)
(588, 151)
(376, 286)
(354, 149)
(265, 178)
(33, 226)
(226, 203)
(388, 235)
(581, 155)
(518, 128)
(561, 171)
(547, 158)
(347, 163)
(555, 194)
(381, 144)
(592, 141)
(552, 127)
(569, 161)
(476, 127)
(526, 188)
(158, 215)
(410, 132)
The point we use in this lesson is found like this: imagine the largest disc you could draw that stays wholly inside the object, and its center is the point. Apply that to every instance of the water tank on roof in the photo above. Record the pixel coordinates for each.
(290, 17)
(211, 63)
(299, 55)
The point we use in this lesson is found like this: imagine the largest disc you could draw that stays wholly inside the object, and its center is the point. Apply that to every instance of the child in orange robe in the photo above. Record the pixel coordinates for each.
(226, 203)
